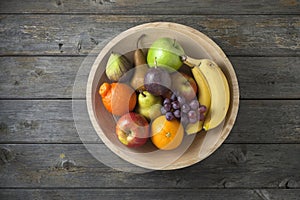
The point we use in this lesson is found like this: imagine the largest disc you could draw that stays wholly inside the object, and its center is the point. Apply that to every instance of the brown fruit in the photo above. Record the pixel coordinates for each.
(139, 58)
(140, 70)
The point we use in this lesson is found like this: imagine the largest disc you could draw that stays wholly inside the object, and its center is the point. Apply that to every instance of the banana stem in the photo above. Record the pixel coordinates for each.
(191, 62)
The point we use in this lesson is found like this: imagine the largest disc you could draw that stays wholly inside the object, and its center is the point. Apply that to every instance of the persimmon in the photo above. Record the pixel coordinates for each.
(166, 135)
(118, 98)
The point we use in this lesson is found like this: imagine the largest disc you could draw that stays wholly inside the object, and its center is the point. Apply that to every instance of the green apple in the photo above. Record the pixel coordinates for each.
(165, 52)
(148, 105)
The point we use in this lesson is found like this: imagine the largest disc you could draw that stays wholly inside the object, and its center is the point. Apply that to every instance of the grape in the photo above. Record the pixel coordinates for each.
(185, 108)
(201, 117)
(184, 118)
(192, 116)
(177, 114)
(175, 105)
(167, 107)
(202, 109)
(181, 100)
(172, 107)
(173, 97)
(194, 104)
(167, 101)
(163, 110)
(169, 116)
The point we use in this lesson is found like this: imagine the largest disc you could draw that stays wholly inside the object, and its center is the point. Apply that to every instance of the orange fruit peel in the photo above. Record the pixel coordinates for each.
(117, 98)
(166, 135)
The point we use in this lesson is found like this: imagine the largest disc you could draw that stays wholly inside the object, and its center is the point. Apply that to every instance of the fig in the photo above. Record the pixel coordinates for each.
(117, 66)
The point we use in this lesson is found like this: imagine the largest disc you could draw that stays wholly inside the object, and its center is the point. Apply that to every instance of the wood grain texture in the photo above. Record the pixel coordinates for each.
(38, 77)
(51, 121)
(263, 35)
(153, 194)
(152, 7)
(260, 158)
(189, 38)
(243, 166)
(53, 77)
(261, 77)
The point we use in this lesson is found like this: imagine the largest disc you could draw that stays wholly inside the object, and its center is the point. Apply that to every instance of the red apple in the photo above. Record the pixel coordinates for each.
(185, 85)
(132, 129)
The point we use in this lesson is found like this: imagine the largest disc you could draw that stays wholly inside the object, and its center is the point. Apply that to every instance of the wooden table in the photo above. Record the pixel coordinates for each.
(42, 46)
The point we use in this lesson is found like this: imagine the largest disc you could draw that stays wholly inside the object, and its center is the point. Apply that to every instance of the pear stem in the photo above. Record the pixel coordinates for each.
(142, 93)
(139, 39)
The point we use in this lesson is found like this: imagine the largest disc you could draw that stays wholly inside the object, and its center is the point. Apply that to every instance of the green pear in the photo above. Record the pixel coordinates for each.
(154, 111)
(148, 104)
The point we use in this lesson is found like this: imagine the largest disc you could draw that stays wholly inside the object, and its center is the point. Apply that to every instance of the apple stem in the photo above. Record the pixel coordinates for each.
(155, 62)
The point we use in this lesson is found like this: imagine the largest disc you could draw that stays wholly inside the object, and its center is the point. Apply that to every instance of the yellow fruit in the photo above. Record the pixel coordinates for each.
(204, 96)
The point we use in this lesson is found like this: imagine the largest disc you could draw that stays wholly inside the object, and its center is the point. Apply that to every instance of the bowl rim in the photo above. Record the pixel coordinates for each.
(184, 30)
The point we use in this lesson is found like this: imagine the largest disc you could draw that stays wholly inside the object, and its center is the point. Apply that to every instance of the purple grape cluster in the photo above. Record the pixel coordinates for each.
(177, 107)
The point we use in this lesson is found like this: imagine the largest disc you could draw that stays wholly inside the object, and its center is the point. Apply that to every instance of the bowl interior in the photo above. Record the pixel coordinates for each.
(194, 147)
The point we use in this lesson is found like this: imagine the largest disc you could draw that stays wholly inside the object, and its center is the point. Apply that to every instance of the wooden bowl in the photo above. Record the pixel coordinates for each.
(195, 148)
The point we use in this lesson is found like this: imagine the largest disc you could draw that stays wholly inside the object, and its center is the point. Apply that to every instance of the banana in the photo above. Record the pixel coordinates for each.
(220, 94)
(204, 96)
(214, 92)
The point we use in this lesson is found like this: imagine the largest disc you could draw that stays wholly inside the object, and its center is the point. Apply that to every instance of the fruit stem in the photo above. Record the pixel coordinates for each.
(155, 62)
(128, 133)
(142, 93)
(168, 134)
(138, 40)
(191, 62)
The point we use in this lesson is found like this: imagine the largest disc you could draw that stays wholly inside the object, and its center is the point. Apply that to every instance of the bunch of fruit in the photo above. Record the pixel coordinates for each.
(161, 92)
(187, 111)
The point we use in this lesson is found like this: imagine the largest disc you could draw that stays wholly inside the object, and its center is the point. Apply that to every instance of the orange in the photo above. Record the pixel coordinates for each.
(118, 98)
(166, 135)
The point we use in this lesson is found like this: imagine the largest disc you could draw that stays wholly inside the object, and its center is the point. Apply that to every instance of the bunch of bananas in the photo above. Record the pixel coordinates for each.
(214, 93)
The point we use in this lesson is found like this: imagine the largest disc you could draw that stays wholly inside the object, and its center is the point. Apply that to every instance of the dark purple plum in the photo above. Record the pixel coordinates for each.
(157, 81)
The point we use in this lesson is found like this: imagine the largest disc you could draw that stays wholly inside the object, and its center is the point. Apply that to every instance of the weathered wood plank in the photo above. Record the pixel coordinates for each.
(231, 166)
(151, 7)
(53, 77)
(262, 77)
(38, 77)
(153, 194)
(263, 35)
(263, 121)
